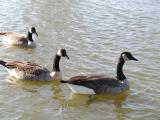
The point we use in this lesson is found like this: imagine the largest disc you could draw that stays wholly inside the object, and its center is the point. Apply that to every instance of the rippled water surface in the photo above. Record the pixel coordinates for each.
(94, 33)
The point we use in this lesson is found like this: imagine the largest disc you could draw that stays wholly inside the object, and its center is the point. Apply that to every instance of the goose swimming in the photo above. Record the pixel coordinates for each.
(32, 71)
(99, 84)
(13, 38)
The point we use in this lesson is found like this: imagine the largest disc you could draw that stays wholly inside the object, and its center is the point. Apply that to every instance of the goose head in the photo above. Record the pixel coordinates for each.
(128, 56)
(32, 30)
(62, 53)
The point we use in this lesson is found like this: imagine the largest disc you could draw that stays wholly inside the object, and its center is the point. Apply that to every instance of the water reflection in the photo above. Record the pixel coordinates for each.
(53, 89)
(30, 86)
(118, 101)
(76, 100)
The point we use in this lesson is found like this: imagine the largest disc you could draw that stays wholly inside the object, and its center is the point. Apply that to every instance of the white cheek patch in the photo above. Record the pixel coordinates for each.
(30, 30)
(125, 57)
(59, 52)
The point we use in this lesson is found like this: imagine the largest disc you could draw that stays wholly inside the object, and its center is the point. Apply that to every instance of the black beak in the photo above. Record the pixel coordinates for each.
(135, 59)
(36, 33)
(67, 57)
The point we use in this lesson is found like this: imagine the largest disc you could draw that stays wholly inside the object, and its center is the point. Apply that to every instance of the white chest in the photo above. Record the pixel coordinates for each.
(56, 75)
(31, 44)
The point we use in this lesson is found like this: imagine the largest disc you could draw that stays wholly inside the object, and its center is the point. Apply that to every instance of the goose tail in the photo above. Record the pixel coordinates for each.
(63, 81)
(2, 33)
(3, 63)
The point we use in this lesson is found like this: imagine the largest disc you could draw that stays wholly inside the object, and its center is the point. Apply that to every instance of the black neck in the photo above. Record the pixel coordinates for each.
(56, 63)
(29, 36)
(120, 75)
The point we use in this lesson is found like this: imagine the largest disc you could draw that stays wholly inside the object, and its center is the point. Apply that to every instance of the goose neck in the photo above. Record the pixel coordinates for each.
(120, 74)
(56, 63)
(29, 36)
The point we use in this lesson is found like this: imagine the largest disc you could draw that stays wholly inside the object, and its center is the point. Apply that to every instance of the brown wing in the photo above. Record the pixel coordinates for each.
(94, 82)
(13, 36)
(92, 77)
(20, 65)
(27, 67)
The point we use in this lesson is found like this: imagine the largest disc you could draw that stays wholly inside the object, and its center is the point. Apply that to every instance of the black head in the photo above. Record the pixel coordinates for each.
(128, 56)
(62, 53)
(33, 30)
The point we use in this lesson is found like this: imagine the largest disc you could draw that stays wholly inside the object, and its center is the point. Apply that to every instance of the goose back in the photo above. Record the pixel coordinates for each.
(27, 71)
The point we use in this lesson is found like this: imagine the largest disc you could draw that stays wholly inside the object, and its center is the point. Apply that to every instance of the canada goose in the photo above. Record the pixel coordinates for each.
(13, 38)
(32, 71)
(100, 84)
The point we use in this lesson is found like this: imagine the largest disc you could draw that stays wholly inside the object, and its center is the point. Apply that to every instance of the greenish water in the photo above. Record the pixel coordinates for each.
(94, 33)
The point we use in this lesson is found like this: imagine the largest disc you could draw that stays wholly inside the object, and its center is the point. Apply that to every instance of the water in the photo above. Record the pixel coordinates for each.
(94, 33)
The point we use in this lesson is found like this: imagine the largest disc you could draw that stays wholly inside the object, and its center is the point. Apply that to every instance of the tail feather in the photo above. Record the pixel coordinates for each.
(3, 63)
(63, 81)
(2, 33)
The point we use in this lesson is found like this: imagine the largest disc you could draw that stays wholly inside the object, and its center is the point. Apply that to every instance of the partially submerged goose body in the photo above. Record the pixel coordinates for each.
(33, 71)
(98, 84)
(13, 38)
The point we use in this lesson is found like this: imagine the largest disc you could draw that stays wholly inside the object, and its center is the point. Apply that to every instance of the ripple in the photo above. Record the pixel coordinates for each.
(94, 33)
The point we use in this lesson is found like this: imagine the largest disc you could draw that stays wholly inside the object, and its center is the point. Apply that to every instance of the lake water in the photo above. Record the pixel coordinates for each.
(94, 33)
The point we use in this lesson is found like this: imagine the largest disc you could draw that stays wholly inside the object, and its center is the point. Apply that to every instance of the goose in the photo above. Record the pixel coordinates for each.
(99, 84)
(32, 71)
(13, 38)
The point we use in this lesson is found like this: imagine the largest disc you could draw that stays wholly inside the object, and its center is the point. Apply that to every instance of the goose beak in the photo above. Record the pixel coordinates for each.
(36, 33)
(67, 57)
(135, 59)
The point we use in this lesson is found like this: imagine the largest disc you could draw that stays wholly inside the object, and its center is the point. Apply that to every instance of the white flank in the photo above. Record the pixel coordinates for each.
(81, 89)
(8, 41)
(56, 75)
(15, 73)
